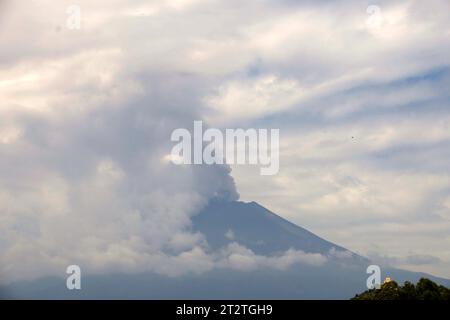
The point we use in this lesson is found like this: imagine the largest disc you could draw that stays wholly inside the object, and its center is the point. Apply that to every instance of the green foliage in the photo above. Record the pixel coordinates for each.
(425, 289)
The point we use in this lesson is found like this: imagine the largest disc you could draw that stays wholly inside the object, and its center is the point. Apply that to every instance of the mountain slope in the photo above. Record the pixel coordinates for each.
(257, 228)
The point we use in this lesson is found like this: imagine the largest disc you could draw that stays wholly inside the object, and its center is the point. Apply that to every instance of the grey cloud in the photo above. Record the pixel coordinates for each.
(412, 259)
(85, 181)
(418, 259)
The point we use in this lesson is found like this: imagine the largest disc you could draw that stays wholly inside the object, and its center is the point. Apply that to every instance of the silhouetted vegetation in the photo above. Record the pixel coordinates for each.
(425, 289)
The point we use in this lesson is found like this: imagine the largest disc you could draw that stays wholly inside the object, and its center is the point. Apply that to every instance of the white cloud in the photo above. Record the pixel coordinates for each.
(240, 100)
(241, 258)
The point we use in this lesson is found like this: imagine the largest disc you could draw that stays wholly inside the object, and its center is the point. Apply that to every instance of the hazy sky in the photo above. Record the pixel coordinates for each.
(359, 91)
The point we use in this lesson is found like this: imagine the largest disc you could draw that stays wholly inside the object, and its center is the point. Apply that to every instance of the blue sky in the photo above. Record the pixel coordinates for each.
(359, 91)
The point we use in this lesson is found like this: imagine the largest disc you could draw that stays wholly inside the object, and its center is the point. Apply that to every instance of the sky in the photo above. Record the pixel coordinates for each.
(359, 91)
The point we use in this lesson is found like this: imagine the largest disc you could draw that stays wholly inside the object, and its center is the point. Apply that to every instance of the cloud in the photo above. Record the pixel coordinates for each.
(240, 100)
(241, 258)
(90, 190)
(82, 137)
(409, 260)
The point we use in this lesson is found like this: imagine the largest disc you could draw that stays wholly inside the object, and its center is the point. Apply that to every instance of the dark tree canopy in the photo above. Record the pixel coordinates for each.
(425, 289)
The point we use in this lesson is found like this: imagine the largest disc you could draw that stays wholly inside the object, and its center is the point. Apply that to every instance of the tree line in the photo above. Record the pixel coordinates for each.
(425, 289)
